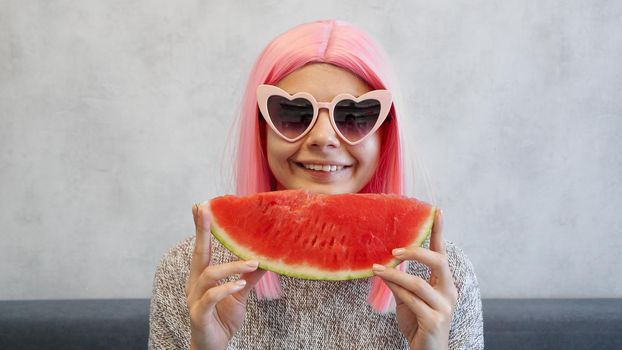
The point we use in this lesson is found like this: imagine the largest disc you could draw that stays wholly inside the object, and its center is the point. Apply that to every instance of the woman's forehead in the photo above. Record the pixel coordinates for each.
(324, 81)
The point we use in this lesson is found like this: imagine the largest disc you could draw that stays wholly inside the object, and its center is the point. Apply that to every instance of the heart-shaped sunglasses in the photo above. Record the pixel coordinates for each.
(353, 118)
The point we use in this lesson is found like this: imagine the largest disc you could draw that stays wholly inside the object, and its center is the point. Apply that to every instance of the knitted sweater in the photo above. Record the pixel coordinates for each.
(310, 314)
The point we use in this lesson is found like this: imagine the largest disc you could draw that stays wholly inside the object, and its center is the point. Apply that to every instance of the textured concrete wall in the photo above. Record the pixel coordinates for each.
(114, 117)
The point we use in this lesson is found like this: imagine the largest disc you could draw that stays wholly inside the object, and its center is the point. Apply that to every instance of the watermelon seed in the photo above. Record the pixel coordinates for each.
(314, 241)
(332, 242)
(297, 237)
(277, 233)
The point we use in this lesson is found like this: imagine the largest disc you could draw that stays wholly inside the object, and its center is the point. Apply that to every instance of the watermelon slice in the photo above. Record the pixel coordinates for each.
(318, 236)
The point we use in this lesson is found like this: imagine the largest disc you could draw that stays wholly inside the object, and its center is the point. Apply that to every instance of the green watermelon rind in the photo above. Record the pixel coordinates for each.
(304, 271)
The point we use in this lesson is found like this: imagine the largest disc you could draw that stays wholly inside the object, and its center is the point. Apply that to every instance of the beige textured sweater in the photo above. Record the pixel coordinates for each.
(310, 314)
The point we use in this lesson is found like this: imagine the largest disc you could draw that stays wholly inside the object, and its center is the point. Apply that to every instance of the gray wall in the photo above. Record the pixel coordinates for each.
(114, 117)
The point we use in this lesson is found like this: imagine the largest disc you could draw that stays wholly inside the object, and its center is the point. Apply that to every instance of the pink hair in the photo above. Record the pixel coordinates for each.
(340, 44)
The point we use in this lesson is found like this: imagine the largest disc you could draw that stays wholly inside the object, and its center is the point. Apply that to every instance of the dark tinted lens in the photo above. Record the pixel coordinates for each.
(291, 118)
(356, 119)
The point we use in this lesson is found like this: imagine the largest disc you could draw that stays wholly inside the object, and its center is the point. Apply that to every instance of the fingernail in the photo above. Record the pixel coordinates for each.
(252, 263)
(379, 268)
(399, 251)
(240, 283)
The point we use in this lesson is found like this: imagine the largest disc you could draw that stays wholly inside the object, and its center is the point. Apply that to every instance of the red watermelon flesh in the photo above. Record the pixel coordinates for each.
(318, 236)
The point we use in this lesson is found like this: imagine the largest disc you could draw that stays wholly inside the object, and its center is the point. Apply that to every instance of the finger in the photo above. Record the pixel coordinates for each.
(413, 284)
(212, 274)
(202, 248)
(251, 279)
(213, 296)
(438, 263)
(416, 305)
(437, 242)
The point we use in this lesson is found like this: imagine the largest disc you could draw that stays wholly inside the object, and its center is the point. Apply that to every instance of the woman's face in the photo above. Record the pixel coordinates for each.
(290, 162)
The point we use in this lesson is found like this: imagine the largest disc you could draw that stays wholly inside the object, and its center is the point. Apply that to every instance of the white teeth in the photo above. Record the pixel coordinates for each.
(317, 167)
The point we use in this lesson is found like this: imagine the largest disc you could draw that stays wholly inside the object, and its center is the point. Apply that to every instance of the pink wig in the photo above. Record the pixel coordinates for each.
(340, 44)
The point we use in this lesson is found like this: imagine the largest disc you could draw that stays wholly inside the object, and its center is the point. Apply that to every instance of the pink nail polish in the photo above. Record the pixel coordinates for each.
(240, 284)
(398, 251)
(379, 268)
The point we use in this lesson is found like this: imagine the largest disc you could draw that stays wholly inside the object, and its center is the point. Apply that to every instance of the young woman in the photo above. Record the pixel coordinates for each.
(204, 298)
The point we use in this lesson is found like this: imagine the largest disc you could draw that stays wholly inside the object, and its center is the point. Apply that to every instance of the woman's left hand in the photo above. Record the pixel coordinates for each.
(423, 308)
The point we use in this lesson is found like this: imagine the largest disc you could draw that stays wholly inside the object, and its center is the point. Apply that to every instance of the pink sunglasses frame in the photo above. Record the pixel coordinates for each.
(264, 91)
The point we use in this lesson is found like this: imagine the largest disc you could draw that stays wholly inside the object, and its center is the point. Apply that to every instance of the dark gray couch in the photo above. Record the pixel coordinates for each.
(123, 324)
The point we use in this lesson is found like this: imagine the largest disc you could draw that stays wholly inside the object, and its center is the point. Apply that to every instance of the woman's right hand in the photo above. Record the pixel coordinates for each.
(216, 310)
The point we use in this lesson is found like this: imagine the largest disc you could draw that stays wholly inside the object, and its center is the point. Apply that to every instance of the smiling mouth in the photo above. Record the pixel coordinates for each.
(325, 168)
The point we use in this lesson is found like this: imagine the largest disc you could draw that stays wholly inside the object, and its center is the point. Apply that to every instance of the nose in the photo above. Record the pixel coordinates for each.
(322, 135)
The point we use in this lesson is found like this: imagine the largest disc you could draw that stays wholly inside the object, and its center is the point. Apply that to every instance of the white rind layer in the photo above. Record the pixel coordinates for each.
(306, 271)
